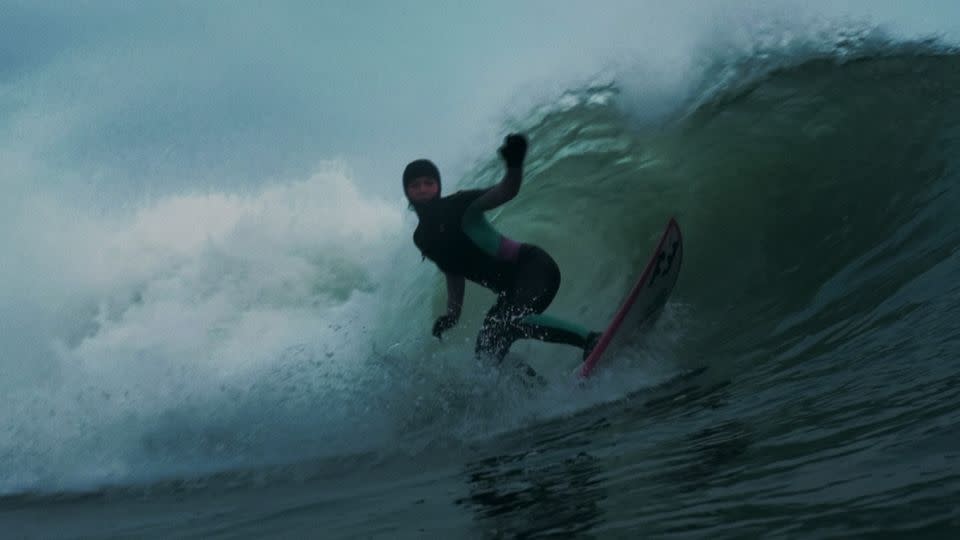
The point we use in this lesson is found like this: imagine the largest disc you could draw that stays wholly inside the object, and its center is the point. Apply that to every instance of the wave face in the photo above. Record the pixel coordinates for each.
(819, 201)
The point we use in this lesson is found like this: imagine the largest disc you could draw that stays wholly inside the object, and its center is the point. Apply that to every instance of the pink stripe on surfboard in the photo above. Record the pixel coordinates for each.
(608, 334)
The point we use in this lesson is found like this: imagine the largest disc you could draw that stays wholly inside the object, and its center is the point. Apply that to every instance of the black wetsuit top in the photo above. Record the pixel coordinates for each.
(461, 242)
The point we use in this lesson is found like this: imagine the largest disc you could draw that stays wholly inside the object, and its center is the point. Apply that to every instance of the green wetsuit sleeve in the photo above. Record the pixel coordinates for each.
(480, 231)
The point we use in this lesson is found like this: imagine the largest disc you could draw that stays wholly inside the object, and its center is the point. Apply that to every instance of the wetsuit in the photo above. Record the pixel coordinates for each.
(460, 240)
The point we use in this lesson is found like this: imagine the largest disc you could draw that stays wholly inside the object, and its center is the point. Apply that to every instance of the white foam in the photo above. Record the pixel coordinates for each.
(183, 300)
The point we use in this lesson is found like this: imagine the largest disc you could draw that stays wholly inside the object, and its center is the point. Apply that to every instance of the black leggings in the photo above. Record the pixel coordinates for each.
(534, 287)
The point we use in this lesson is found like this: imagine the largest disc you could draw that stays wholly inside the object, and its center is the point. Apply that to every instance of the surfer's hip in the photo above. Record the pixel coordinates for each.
(534, 257)
(535, 270)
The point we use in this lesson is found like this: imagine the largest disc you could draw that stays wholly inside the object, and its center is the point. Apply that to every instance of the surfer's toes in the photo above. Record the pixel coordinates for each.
(592, 339)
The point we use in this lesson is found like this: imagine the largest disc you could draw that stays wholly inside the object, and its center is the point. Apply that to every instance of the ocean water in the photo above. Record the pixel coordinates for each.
(214, 323)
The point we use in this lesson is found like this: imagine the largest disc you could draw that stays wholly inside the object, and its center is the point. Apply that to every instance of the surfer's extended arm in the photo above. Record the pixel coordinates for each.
(455, 288)
(513, 152)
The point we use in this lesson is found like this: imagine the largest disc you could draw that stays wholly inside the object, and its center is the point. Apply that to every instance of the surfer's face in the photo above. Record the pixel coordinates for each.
(422, 189)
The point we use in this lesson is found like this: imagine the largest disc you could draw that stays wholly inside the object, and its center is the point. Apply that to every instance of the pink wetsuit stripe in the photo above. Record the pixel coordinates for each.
(509, 249)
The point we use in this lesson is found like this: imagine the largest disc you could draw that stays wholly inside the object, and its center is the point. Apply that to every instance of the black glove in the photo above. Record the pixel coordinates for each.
(514, 149)
(442, 324)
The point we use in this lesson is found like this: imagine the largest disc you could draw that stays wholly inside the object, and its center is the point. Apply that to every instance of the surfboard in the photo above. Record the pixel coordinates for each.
(645, 301)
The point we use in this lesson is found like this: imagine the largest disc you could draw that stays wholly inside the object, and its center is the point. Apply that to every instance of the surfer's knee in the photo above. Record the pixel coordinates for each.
(495, 339)
(491, 349)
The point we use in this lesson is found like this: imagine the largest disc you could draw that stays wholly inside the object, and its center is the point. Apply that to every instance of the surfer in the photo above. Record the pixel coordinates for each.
(454, 233)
